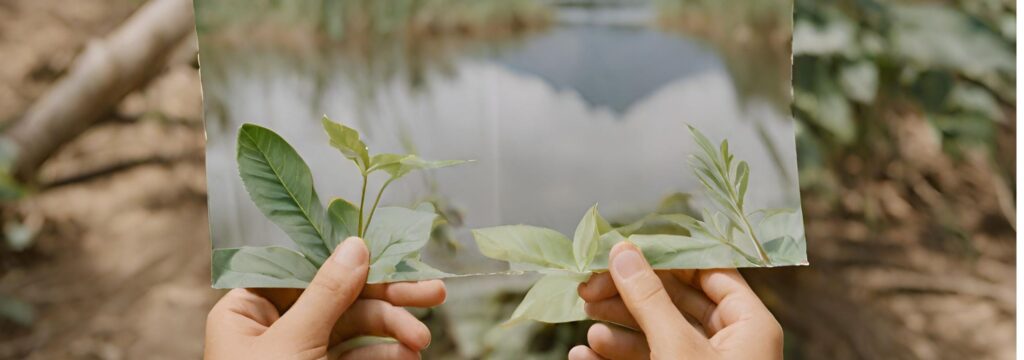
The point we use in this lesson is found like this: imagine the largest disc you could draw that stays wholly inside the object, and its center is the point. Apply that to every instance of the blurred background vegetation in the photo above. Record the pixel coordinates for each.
(906, 136)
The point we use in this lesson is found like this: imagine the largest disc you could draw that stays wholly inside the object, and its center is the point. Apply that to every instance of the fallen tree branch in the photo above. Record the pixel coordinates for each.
(121, 167)
(103, 74)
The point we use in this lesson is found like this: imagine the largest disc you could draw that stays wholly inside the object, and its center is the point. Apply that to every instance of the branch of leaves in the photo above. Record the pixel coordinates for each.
(280, 184)
(566, 263)
(711, 242)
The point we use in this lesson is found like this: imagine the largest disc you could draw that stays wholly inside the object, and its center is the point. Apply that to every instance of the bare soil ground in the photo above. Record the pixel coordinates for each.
(120, 269)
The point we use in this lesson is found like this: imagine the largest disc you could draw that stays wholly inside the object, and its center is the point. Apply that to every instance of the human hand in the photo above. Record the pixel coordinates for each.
(306, 324)
(680, 314)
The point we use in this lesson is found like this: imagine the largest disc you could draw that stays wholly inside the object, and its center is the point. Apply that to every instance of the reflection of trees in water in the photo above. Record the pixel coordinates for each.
(753, 36)
(370, 43)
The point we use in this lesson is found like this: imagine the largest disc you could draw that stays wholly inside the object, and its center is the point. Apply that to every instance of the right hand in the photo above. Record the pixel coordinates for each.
(674, 314)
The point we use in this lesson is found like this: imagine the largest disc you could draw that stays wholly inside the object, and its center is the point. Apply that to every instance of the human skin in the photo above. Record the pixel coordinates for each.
(335, 307)
(674, 314)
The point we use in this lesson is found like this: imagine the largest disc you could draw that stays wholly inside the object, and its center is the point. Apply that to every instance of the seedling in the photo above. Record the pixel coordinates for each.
(712, 242)
(281, 185)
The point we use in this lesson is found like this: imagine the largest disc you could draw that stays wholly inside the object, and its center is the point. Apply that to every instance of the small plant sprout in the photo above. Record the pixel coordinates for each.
(710, 242)
(725, 182)
(280, 184)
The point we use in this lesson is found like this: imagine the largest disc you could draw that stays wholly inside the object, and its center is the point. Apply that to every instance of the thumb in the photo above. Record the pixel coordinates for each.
(667, 331)
(334, 288)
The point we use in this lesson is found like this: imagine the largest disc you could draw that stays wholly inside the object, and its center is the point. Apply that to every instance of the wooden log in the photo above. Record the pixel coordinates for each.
(106, 71)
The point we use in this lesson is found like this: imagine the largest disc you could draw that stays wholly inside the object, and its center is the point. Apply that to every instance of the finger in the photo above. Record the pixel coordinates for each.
(581, 352)
(691, 301)
(333, 289)
(241, 304)
(617, 343)
(720, 283)
(599, 287)
(611, 310)
(416, 294)
(379, 318)
(686, 276)
(734, 299)
(645, 297)
(282, 298)
(381, 351)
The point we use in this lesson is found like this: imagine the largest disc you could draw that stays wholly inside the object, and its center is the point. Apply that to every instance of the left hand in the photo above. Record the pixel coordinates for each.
(337, 306)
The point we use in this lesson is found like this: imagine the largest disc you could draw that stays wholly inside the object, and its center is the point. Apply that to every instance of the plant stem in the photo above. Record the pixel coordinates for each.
(757, 244)
(735, 198)
(377, 201)
(362, 200)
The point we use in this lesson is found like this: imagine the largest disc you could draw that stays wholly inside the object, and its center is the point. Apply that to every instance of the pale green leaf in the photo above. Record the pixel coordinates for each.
(347, 140)
(386, 160)
(412, 269)
(703, 142)
(10, 188)
(395, 234)
(281, 186)
(586, 240)
(553, 299)
(602, 225)
(827, 107)
(825, 38)
(742, 179)
(686, 252)
(859, 81)
(607, 241)
(399, 167)
(787, 250)
(782, 231)
(526, 244)
(344, 218)
(261, 267)
(20, 312)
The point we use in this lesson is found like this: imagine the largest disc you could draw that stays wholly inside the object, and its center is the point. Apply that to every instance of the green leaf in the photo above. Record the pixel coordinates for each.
(412, 269)
(830, 37)
(386, 160)
(703, 142)
(398, 167)
(281, 186)
(602, 225)
(787, 250)
(526, 244)
(346, 140)
(783, 234)
(261, 267)
(859, 81)
(10, 189)
(742, 179)
(607, 241)
(395, 234)
(686, 252)
(344, 218)
(553, 299)
(586, 240)
(20, 312)
(941, 36)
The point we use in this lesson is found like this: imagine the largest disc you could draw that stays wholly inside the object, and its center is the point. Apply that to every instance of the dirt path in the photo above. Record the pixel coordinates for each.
(121, 268)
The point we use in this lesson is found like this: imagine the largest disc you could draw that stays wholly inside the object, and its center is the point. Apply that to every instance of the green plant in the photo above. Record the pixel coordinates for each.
(712, 242)
(281, 185)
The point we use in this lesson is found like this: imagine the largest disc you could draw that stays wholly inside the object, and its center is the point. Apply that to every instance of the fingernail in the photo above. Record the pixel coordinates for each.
(628, 261)
(349, 252)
